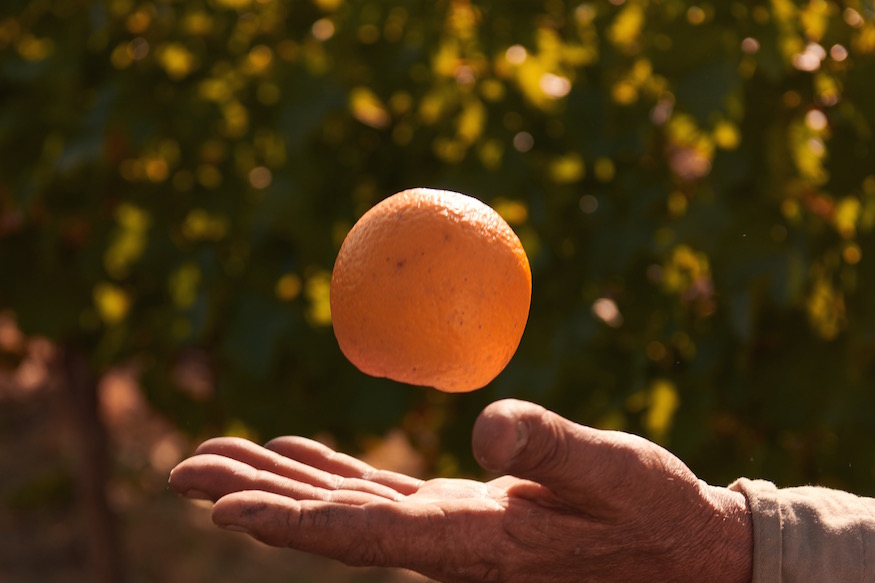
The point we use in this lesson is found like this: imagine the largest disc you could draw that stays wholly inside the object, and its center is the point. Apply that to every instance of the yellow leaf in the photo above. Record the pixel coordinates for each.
(726, 135)
(852, 254)
(209, 176)
(237, 428)
(462, 19)
(259, 58)
(492, 90)
(450, 150)
(156, 169)
(567, 169)
(183, 285)
(846, 214)
(513, 211)
(626, 28)
(367, 108)
(471, 121)
(111, 301)
(677, 204)
(432, 106)
(35, 49)
(288, 287)
(139, 21)
(176, 60)
(236, 119)
(491, 153)
(199, 225)
(328, 5)
(815, 18)
(826, 308)
(234, 4)
(864, 42)
(446, 58)
(641, 71)
(317, 289)
(128, 240)
(121, 57)
(683, 130)
(604, 169)
(215, 90)
(828, 89)
(664, 401)
(197, 23)
(624, 92)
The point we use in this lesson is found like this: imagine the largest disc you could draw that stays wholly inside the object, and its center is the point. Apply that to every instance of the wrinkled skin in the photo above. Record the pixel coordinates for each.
(576, 504)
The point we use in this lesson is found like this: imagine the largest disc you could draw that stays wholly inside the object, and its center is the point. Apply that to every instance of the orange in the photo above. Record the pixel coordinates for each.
(431, 288)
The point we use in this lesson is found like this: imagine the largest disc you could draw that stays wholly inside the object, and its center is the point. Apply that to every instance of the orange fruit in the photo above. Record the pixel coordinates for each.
(431, 288)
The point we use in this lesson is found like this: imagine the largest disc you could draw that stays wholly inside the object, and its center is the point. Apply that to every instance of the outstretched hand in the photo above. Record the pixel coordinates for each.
(577, 504)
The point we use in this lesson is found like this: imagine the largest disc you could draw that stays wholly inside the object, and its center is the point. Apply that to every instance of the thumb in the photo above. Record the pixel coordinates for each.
(582, 465)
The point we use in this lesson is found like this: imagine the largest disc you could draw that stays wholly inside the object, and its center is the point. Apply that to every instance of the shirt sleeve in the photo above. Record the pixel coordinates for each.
(810, 534)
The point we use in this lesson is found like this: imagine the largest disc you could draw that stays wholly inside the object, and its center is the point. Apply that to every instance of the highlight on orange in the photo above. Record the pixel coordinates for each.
(431, 288)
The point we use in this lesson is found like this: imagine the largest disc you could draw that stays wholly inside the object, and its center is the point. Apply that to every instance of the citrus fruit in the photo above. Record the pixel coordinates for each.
(431, 288)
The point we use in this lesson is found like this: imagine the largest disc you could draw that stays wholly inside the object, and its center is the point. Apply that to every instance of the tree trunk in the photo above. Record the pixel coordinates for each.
(99, 531)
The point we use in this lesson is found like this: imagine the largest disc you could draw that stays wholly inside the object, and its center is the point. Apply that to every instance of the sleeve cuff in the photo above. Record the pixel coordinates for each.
(810, 534)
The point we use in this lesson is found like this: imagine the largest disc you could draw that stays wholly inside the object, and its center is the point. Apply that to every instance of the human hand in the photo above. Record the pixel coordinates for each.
(577, 504)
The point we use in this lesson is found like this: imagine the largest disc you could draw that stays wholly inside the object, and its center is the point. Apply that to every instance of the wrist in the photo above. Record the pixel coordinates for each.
(731, 553)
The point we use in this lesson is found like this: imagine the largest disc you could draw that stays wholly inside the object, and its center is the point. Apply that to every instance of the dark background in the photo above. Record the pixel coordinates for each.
(694, 186)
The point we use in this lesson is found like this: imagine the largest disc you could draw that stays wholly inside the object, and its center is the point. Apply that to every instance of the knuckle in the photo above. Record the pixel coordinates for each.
(552, 447)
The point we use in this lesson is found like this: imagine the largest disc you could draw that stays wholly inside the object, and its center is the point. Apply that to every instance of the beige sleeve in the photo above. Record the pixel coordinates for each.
(810, 534)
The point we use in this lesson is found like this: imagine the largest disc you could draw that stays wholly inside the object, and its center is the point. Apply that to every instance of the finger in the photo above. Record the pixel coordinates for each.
(268, 460)
(380, 534)
(320, 456)
(212, 476)
(584, 466)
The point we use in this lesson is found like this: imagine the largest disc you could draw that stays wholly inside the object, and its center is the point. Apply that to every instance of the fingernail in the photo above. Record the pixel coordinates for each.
(522, 437)
(235, 528)
(499, 437)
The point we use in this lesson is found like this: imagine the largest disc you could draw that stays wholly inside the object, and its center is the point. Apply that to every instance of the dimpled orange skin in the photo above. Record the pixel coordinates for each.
(431, 288)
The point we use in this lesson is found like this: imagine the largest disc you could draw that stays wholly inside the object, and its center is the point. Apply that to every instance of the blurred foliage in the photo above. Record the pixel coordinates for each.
(694, 184)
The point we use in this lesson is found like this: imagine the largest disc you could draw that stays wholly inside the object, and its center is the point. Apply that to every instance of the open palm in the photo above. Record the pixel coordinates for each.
(580, 505)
